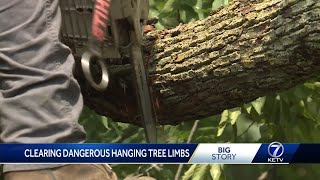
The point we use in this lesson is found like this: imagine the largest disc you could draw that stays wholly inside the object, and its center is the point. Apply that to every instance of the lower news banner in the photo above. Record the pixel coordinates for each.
(203, 153)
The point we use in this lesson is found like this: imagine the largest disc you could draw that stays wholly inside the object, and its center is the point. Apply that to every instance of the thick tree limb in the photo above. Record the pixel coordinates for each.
(241, 52)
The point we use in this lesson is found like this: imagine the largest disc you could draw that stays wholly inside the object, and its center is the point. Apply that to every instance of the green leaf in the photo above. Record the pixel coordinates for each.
(217, 4)
(188, 175)
(312, 85)
(188, 3)
(159, 26)
(223, 122)
(168, 8)
(105, 122)
(313, 110)
(234, 114)
(153, 13)
(215, 171)
(248, 130)
(258, 104)
(187, 14)
(267, 131)
(248, 107)
(198, 8)
(200, 172)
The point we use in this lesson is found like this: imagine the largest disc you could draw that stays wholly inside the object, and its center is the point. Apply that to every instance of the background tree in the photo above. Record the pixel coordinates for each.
(290, 116)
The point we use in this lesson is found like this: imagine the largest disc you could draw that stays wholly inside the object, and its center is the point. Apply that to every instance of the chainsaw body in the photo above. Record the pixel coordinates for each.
(77, 18)
(115, 31)
(122, 17)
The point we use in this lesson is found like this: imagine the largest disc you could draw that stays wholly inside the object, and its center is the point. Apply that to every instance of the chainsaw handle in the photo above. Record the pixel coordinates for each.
(85, 65)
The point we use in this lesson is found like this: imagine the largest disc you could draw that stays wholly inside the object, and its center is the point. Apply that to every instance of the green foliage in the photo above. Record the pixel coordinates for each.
(216, 171)
(204, 171)
(291, 116)
(172, 12)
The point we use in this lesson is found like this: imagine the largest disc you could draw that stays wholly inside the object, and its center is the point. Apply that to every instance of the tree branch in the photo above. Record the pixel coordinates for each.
(237, 54)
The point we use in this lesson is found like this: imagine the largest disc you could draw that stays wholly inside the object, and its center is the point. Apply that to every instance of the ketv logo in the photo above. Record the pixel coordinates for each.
(275, 150)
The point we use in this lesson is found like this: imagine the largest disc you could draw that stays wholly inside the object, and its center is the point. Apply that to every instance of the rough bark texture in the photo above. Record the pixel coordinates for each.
(239, 53)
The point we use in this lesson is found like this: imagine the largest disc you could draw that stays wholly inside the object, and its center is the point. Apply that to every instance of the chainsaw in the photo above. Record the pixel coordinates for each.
(117, 27)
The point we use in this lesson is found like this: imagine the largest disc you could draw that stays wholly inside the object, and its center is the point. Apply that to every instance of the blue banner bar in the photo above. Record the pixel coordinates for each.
(275, 153)
(203, 153)
(307, 153)
(96, 153)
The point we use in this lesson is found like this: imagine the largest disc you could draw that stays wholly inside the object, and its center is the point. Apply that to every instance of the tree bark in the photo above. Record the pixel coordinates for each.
(237, 54)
